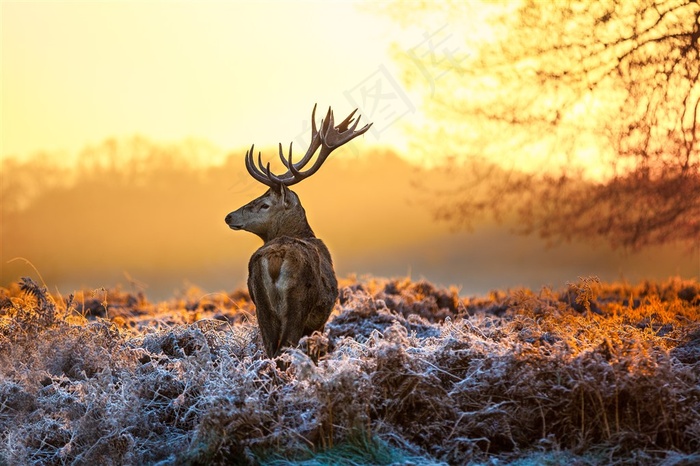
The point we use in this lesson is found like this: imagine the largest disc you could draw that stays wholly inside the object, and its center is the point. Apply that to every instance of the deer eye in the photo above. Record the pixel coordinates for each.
(264, 206)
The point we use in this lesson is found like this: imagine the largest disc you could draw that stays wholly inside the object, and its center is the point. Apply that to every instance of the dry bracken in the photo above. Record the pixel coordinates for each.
(404, 373)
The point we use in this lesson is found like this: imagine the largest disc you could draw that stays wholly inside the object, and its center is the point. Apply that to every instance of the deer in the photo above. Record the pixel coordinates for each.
(291, 279)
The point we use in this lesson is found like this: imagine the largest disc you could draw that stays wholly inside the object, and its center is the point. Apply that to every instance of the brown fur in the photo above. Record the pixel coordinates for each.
(303, 293)
(290, 278)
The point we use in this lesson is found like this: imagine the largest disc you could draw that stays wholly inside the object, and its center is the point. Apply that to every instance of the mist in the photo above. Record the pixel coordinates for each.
(153, 221)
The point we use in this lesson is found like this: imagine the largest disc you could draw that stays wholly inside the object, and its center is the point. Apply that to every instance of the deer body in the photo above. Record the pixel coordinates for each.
(290, 278)
(285, 277)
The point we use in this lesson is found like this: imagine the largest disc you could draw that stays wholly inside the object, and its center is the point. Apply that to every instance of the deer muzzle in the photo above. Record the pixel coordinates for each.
(232, 222)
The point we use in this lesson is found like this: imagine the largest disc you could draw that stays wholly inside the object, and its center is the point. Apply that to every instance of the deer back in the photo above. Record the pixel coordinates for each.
(294, 288)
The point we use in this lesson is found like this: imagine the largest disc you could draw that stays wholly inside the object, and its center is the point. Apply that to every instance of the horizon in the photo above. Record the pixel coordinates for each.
(106, 84)
(120, 233)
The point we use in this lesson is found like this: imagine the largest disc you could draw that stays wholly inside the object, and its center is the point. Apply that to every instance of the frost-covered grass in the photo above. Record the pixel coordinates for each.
(404, 373)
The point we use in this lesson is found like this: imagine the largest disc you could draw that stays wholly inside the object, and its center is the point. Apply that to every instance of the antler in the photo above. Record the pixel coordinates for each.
(328, 139)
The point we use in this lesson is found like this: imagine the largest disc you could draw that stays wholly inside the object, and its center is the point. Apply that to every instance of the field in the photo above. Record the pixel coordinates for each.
(405, 373)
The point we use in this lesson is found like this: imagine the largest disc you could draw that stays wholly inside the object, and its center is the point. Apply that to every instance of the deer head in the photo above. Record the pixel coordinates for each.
(278, 212)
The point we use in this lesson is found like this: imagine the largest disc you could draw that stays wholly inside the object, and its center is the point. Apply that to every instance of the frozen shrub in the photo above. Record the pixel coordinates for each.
(404, 372)
(688, 352)
(420, 298)
(363, 314)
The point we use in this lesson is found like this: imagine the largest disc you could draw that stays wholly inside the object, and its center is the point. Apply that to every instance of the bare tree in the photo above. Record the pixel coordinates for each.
(609, 90)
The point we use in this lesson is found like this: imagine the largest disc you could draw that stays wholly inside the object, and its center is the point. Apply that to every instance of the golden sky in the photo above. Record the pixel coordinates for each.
(234, 73)
(231, 73)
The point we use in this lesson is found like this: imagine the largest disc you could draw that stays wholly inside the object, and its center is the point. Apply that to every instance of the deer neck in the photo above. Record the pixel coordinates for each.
(291, 226)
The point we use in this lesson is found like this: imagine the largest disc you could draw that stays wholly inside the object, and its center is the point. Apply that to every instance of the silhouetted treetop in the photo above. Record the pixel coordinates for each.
(608, 90)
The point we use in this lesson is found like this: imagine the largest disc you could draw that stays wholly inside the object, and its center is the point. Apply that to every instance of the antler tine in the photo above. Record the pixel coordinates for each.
(315, 140)
(268, 173)
(254, 171)
(329, 122)
(292, 175)
(274, 179)
(281, 154)
(341, 135)
(329, 138)
(344, 124)
(291, 166)
(363, 129)
(313, 146)
(314, 134)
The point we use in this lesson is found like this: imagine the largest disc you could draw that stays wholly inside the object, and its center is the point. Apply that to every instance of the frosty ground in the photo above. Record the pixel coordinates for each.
(404, 373)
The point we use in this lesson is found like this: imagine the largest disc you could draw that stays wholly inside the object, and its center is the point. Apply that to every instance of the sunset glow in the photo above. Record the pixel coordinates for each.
(229, 73)
(349, 232)
(225, 74)
(118, 109)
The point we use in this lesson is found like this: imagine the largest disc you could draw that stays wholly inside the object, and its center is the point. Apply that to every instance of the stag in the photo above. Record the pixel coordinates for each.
(290, 278)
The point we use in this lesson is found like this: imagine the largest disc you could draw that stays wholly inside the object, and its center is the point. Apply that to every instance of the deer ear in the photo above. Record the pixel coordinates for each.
(278, 189)
(287, 198)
